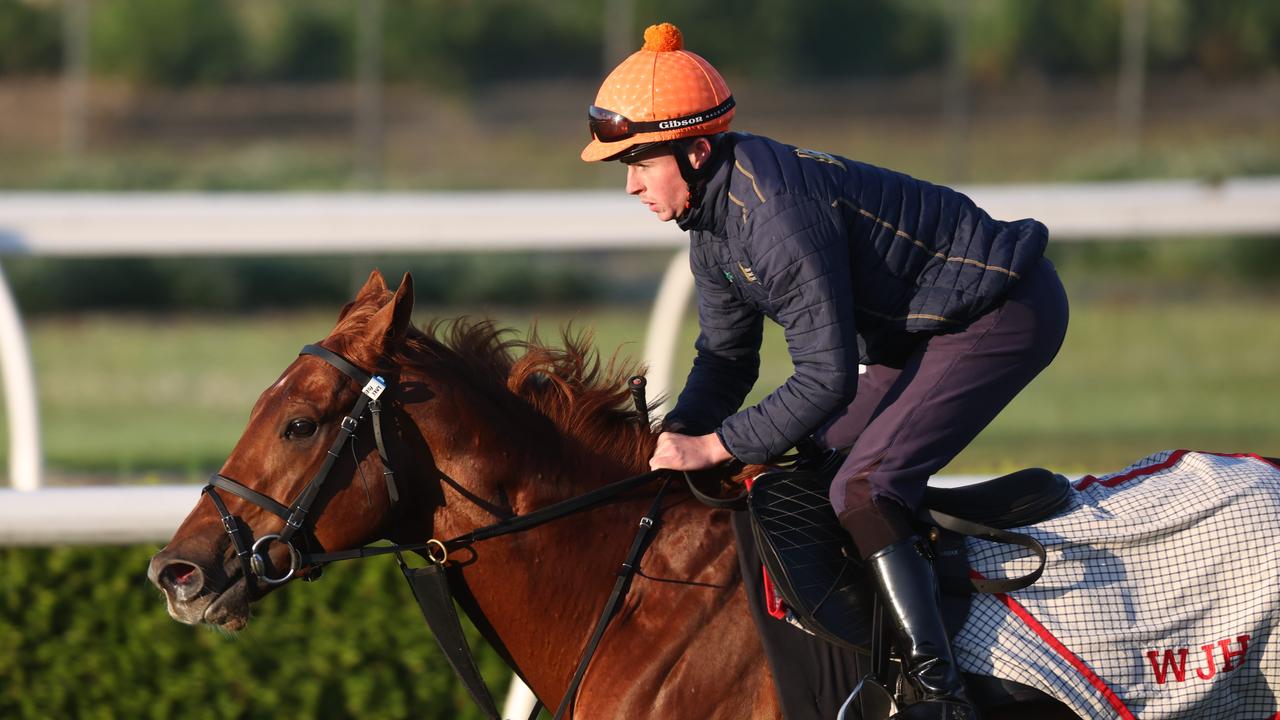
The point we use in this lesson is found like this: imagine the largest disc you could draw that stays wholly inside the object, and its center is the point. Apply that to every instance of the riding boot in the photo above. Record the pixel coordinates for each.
(908, 587)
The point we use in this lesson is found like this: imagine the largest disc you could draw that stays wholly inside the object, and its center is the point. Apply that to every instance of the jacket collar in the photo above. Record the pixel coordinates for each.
(710, 212)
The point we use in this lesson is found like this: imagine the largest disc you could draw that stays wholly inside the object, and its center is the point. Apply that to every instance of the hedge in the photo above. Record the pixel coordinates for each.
(84, 635)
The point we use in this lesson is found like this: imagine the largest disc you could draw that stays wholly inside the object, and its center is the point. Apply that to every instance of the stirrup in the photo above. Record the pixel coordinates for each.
(870, 700)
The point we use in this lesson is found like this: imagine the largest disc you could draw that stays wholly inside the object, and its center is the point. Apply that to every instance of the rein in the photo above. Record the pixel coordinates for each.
(429, 584)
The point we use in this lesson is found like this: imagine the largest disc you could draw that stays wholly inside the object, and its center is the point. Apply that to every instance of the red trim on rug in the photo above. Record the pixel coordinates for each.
(1255, 456)
(1057, 645)
(1167, 463)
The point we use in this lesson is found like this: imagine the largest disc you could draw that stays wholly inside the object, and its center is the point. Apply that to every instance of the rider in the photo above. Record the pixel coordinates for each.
(952, 312)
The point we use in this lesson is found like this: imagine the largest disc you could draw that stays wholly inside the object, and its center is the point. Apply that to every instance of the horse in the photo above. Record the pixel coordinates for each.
(484, 429)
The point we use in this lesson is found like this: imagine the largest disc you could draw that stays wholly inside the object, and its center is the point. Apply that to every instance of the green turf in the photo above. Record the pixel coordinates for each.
(137, 397)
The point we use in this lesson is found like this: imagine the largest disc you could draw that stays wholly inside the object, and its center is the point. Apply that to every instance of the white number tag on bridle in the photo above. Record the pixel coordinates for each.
(374, 387)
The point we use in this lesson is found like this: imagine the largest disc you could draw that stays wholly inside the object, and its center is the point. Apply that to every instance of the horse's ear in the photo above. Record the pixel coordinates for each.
(391, 323)
(373, 291)
(403, 302)
(375, 288)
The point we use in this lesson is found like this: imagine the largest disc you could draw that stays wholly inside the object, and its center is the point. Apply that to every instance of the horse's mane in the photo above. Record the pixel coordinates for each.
(584, 397)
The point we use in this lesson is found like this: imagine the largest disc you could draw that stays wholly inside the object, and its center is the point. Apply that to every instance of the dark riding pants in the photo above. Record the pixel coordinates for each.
(907, 423)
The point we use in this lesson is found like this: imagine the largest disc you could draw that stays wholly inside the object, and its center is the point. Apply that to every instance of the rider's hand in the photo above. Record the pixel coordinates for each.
(688, 452)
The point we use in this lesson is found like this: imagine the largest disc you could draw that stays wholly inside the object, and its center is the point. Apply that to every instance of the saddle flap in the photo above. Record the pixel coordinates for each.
(809, 556)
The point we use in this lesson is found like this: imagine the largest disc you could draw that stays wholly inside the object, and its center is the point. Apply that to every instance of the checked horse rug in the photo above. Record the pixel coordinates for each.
(1158, 600)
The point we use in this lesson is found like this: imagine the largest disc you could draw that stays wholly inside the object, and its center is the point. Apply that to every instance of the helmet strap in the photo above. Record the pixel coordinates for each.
(695, 178)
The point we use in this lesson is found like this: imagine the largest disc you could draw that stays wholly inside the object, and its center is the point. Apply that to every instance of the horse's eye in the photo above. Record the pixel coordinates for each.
(300, 428)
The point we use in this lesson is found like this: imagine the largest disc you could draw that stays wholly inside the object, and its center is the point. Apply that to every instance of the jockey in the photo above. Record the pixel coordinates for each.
(952, 312)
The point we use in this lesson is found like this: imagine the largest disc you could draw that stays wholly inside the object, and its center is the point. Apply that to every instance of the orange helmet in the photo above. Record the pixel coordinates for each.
(661, 92)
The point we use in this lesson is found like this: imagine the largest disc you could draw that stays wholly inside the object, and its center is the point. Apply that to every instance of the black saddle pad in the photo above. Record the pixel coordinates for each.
(810, 558)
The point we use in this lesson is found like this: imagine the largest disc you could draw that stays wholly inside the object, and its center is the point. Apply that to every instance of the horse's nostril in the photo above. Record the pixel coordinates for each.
(182, 579)
(181, 572)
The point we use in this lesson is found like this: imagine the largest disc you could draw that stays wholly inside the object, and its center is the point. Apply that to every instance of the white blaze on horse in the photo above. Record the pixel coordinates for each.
(1157, 599)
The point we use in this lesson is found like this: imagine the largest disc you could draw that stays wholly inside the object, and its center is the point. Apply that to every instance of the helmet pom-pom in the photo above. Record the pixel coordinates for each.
(663, 37)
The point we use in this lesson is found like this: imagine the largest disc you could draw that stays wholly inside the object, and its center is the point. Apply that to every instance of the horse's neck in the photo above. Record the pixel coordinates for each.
(538, 595)
(540, 591)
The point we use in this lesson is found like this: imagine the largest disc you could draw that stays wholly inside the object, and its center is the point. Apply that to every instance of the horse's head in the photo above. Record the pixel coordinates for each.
(483, 428)
(293, 466)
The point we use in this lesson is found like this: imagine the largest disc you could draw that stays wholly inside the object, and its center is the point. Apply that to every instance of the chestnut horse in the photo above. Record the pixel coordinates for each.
(482, 428)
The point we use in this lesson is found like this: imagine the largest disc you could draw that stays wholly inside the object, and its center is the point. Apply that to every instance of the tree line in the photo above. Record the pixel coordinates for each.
(456, 44)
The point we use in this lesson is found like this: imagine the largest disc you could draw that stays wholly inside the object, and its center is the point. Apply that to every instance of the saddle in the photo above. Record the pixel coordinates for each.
(818, 580)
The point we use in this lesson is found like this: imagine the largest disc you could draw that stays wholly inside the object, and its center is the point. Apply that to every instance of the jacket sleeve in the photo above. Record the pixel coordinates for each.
(801, 256)
(727, 362)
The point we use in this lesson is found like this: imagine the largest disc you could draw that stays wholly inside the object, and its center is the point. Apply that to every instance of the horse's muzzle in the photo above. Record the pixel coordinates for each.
(196, 592)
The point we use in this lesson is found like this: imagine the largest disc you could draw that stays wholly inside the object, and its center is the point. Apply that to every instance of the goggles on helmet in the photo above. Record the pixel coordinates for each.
(608, 126)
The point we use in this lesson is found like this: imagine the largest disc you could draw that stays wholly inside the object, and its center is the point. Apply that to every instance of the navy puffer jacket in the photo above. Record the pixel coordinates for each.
(855, 262)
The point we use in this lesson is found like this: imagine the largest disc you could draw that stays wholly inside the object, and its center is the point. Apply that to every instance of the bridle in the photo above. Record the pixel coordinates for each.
(253, 558)
(430, 584)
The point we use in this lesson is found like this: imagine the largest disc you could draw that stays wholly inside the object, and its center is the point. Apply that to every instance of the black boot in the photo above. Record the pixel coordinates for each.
(909, 589)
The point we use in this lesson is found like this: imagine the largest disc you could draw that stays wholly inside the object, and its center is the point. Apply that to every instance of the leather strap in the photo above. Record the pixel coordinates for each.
(554, 511)
(1005, 537)
(648, 525)
(388, 475)
(511, 525)
(736, 502)
(375, 408)
(232, 526)
(337, 361)
(360, 552)
(302, 505)
(225, 483)
(430, 586)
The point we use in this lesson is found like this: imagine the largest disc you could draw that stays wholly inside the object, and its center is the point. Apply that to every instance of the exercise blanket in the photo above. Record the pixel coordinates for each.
(1158, 600)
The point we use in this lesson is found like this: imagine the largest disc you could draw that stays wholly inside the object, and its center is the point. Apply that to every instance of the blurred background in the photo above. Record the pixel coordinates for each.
(146, 367)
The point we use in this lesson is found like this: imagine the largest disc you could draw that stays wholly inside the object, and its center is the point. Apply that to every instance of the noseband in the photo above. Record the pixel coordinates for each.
(253, 558)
